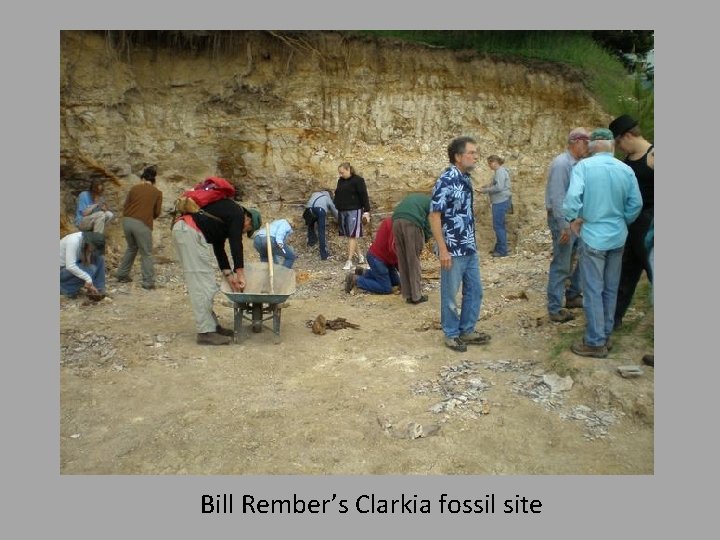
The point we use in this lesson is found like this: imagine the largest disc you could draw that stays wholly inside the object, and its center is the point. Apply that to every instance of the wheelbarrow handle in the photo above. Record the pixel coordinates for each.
(270, 258)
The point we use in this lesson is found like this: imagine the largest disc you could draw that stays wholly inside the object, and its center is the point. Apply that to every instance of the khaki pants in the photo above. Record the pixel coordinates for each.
(197, 258)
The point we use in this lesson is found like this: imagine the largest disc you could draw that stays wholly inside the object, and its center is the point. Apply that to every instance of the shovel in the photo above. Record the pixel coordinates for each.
(270, 258)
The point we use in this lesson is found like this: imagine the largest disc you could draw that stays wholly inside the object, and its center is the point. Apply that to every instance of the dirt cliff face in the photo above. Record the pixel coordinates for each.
(279, 113)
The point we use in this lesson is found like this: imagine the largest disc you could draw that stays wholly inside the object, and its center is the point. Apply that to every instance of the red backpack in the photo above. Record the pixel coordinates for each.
(192, 201)
(209, 190)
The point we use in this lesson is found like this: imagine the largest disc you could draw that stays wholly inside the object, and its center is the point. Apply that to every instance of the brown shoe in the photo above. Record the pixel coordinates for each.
(575, 302)
(212, 338)
(562, 316)
(475, 338)
(583, 349)
(224, 331)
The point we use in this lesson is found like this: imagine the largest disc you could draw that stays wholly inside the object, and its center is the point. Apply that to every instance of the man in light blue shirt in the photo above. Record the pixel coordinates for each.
(602, 199)
(280, 230)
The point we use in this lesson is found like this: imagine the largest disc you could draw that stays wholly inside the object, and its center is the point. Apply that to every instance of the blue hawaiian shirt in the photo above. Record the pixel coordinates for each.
(452, 196)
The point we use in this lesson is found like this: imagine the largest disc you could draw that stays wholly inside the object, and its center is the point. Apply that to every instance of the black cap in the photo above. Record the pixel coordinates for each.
(621, 125)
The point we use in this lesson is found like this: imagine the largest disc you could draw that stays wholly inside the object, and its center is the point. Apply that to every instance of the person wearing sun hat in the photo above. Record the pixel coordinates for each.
(602, 199)
(640, 157)
(197, 237)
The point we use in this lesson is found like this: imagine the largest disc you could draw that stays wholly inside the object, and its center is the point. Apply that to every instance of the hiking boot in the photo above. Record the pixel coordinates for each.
(649, 360)
(348, 265)
(455, 344)
(475, 338)
(583, 349)
(349, 283)
(124, 279)
(212, 338)
(562, 316)
(496, 254)
(148, 287)
(224, 331)
(359, 271)
(422, 299)
(574, 302)
(608, 344)
(96, 297)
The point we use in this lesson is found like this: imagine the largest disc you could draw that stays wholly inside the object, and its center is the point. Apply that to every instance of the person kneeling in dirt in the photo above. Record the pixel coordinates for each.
(383, 273)
(194, 235)
(82, 264)
(280, 230)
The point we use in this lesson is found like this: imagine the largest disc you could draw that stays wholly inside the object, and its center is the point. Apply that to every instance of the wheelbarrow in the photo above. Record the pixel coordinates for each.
(262, 298)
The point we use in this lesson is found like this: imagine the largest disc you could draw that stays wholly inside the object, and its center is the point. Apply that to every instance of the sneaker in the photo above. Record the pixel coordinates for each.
(583, 349)
(349, 283)
(422, 299)
(348, 265)
(475, 338)
(224, 331)
(361, 259)
(455, 344)
(575, 302)
(124, 279)
(212, 338)
(562, 316)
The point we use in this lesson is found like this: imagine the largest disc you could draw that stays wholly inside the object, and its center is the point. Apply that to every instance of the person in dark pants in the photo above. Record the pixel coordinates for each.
(315, 215)
(353, 204)
(382, 259)
(640, 156)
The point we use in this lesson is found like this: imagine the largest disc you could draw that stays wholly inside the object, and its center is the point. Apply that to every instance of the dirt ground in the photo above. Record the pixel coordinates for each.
(139, 396)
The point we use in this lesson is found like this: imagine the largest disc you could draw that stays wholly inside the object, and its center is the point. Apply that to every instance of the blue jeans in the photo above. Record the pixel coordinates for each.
(498, 222)
(286, 252)
(313, 237)
(600, 272)
(380, 279)
(70, 284)
(465, 270)
(561, 269)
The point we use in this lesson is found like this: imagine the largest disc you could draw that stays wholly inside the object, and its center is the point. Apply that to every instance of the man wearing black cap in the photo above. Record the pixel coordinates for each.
(640, 156)
(194, 236)
(82, 264)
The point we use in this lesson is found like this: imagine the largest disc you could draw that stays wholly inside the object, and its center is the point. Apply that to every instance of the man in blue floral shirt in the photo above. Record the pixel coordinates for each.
(453, 226)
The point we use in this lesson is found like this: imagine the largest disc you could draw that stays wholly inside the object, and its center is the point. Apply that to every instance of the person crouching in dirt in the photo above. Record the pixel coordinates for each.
(382, 258)
(315, 215)
(194, 235)
(280, 230)
(82, 264)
